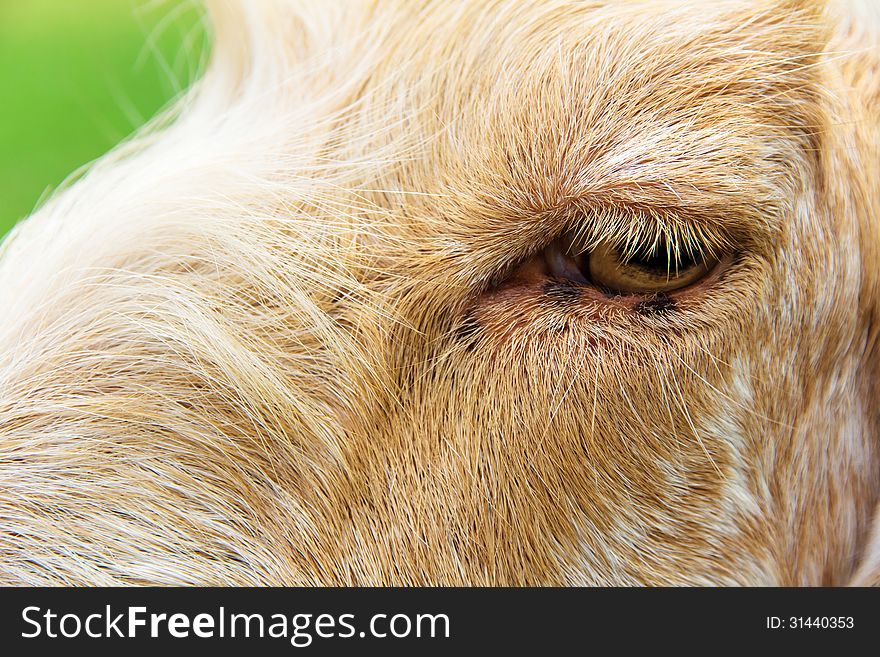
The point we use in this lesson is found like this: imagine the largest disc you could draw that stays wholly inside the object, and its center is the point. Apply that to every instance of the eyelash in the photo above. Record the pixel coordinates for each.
(635, 234)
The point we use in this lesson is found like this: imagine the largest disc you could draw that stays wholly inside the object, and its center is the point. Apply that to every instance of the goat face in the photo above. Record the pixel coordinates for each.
(463, 292)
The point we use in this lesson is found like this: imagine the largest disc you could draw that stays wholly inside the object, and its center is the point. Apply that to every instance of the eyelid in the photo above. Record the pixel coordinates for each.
(638, 243)
(639, 230)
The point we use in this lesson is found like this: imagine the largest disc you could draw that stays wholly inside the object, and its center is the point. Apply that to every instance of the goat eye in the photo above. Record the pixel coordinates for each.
(606, 267)
(643, 274)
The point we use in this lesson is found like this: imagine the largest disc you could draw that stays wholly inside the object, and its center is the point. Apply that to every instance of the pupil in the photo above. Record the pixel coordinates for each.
(660, 262)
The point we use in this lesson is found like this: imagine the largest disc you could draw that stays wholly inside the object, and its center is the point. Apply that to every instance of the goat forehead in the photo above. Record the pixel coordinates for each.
(609, 86)
(548, 101)
(614, 45)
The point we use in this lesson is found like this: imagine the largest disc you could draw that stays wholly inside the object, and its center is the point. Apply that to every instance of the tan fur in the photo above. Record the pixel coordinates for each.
(288, 338)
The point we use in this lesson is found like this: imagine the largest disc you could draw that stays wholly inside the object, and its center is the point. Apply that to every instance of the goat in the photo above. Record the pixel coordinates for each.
(464, 292)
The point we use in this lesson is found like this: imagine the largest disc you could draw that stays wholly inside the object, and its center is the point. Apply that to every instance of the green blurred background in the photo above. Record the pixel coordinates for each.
(78, 76)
